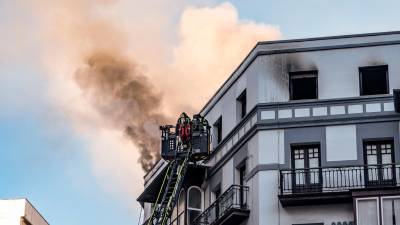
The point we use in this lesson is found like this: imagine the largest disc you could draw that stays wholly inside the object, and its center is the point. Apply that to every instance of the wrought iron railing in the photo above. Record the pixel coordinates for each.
(179, 220)
(338, 179)
(234, 198)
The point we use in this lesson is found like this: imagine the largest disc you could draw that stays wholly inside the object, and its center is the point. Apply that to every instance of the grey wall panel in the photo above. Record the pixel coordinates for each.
(341, 143)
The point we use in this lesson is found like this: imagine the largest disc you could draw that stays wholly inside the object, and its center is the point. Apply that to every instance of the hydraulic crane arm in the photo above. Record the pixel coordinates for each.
(190, 142)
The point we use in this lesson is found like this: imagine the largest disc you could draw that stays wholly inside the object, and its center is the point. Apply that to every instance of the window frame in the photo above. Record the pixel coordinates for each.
(378, 142)
(218, 128)
(308, 185)
(379, 165)
(381, 202)
(201, 193)
(242, 100)
(377, 207)
(302, 74)
(363, 68)
(242, 172)
(188, 202)
(216, 192)
(307, 146)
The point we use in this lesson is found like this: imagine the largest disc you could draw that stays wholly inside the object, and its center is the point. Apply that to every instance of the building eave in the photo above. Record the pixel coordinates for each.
(262, 48)
(153, 187)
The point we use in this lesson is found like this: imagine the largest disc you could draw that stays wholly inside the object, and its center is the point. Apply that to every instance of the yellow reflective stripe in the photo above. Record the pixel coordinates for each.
(159, 194)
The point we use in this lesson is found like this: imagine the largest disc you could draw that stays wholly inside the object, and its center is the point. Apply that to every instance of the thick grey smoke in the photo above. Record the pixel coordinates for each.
(86, 42)
(120, 92)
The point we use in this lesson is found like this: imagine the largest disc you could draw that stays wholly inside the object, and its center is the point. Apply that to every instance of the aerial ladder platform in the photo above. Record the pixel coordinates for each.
(187, 142)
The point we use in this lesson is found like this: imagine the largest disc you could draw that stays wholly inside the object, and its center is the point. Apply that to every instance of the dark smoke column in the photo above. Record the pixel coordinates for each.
(126, 99)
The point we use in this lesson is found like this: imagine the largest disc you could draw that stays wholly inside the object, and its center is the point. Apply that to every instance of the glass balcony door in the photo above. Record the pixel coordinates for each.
(379, 159)
(306, 175)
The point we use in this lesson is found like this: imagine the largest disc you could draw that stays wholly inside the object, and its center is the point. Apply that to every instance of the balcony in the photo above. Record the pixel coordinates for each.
(334, 184)
(153, 186)
(229, 208)
(177, 220)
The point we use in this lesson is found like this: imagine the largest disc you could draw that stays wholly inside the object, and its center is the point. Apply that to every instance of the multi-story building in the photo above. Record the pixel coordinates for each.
(304, 132)
(19, 212)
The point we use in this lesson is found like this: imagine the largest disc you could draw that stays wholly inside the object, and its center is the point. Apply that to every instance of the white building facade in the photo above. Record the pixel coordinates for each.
(305, 132)
(19, 212)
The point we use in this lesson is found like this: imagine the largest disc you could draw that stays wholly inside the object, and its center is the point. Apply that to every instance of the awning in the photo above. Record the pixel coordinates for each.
(151, 192)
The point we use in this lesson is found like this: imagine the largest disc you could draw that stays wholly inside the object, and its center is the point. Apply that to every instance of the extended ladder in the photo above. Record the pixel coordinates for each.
(170, 189)
(190, 142)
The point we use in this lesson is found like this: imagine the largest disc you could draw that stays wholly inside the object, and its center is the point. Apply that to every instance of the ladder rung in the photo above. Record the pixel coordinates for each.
(175, 178)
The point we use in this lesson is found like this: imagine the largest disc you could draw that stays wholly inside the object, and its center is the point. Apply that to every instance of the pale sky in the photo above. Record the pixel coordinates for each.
(48, 155)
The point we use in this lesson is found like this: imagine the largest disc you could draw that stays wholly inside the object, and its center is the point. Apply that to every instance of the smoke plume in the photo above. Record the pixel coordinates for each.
(119, 69)
(125, 97)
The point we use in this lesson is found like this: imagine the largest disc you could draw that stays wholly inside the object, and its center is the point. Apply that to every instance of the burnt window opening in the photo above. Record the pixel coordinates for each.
(218, 130)
(242, 174)
(242, 180)
(374, 80)
(241, 105)
(216, 194)
(303, 85)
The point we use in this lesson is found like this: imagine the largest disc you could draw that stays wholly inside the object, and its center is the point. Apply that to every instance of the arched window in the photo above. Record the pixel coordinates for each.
(194, 203)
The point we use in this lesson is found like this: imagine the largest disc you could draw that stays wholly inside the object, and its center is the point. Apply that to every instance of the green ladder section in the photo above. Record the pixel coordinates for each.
(169, 191)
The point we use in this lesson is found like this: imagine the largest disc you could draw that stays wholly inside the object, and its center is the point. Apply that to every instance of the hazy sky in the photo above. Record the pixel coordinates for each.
(46, 157)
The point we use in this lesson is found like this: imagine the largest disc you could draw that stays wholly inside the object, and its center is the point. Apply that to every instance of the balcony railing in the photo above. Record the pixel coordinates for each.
(234, 199)
(178, 220)
(338, 179)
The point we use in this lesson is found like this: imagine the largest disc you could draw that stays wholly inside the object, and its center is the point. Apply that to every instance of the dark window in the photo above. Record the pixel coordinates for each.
(217, 193)
(303, 85)
(242, 177)
(242, 173)
(374, 80)
(218, 130)
(241, 101)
